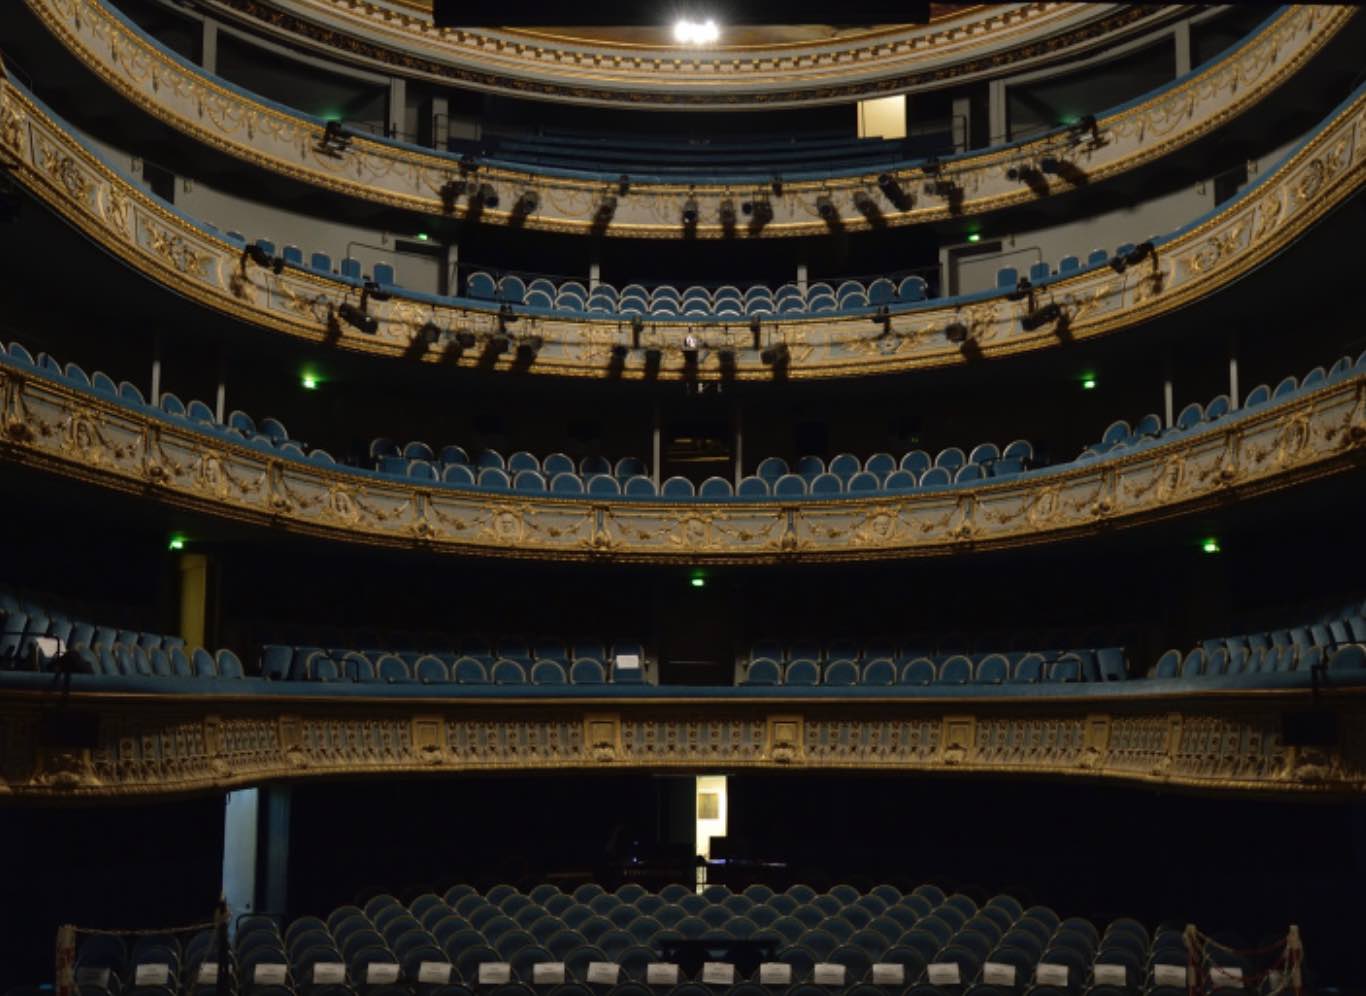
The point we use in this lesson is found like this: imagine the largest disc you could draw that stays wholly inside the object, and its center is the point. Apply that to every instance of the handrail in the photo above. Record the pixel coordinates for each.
(399, 175)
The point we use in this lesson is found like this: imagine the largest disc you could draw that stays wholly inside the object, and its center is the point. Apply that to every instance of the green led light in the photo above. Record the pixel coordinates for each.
(309, 380)
(1071, 119)
(1088, 382)
(1210, 544)
(177, 543)
(698, 582)
(422, 236)
(974, 237)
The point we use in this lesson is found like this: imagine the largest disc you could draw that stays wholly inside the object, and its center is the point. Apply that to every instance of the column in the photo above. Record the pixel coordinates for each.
(655, 448)
(1167, 397)
(208, 46)
(739, 443)
(962, 124)
(998, 129)
(239, 852)
(801, 277)
(1233, 399)
(398, 107)
(155, 396)
(1182, 38)
(194, 598)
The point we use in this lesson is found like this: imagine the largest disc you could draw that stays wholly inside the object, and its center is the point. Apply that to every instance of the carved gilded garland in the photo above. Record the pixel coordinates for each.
(81, 435)
(170, 249)
(410, 178)
(163, 744)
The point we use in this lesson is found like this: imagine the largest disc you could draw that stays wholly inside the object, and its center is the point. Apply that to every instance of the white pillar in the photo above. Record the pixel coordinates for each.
(208, 46)
(398, 106)
(1167, 416)
(156, 371)
(1233, 399)
(997, 125)
(1182, 38)
(655, 449)
(594, 274)
(239, 851)
(962, 124)
(739, 444)
(801, 276)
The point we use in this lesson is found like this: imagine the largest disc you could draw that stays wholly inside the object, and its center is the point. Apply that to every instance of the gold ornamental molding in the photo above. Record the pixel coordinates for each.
(78, 434)
(964, 44)
(407, 177)
(173, 250)
(168, 744)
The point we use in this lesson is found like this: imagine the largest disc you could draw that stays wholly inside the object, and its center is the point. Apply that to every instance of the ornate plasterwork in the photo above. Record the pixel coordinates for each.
(411, 178)
(168, 248)
(973, 43)
(84, 436)
(170, 744)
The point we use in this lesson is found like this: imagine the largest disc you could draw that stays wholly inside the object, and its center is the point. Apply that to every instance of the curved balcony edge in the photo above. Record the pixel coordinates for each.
(78, 434)
(241, 124)
(178, 253)
(173, 744)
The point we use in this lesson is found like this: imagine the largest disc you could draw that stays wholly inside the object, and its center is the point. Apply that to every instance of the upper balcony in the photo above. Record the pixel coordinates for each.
(666, 189)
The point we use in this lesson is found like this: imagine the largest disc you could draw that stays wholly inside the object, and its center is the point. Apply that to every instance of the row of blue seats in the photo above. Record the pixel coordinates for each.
(34, 636)
(1105, 664)
(430, 670)
(239, 425)
(1334, 641)
(666, 301)
(845, 473)
(1008, 277)
(1120, 435)
(389, 458)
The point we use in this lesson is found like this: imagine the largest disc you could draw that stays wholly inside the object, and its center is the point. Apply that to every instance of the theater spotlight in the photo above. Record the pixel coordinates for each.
(825, 207)
(277, 265)
(776, 185)
(761, 213)
(725, 359)
(527, 203)
(1049, 164)
(623, 185)
(1141, 252)
(487, 195)
(334, 141)
(1041, 316)
(884, 319)
(607, 207)
(450, 193)
(891, 189)
(1084, 126)
(499, 343)
(637, 327)
(256, 254)
(690, 212)
(465, 339)
(956, 332)
(727, 213)
(932, 166)
(430, 332)
(357, 318)
(776, 355)
(620, 351)
(755, 324)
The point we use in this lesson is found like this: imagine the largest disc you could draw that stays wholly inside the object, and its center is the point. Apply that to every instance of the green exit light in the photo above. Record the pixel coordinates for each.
(698, 582)
(974, 237)
(309, 380)
(1210, 544)
(422, 236)
(1088, 382)
(177, 543)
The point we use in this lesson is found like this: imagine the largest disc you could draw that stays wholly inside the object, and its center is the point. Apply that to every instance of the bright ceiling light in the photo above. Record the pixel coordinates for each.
(696, 32)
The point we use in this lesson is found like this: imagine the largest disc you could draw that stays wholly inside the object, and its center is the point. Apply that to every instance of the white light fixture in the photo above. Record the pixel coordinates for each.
(696, 32)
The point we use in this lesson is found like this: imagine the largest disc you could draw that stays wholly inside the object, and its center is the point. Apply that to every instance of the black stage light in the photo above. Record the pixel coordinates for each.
(762, 213)
(652, 356)
(528, 202)
(1119, 263)
(1049, 164)
(892, 190)
(499, 343)
(450, 193)
(1083, 127)
(256, 254)
(727, 213)
(607, 207)
(1041, 316)
(1022, 290)
(334, 139)
(825, 207)
(528, 348)
(956, 332)
(277, 265)
(373, 291)
(884, 318)
(430, 332)
(487, 195)
(620, 351)
(755, 323)
(776, 185)
(357, 318)
(465, 339)
(1141, 252)
(690, 212)
(467, 163)
(623, 185)
(931, 166)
